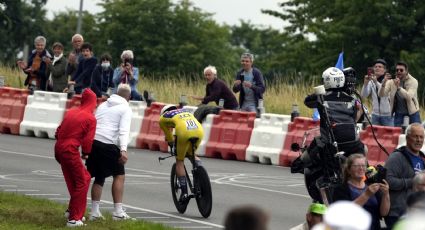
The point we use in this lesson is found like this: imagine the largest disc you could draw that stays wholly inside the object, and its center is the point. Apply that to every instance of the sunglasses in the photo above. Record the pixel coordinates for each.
(399, 70)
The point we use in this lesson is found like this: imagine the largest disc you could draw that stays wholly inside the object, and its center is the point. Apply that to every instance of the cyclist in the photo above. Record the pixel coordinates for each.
(186, 126)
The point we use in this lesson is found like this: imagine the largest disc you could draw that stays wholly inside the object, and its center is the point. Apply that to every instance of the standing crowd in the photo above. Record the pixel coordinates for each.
(103, 136)
(79, 71)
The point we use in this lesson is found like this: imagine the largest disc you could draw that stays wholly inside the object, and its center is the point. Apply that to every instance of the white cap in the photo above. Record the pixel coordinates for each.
(348, 216)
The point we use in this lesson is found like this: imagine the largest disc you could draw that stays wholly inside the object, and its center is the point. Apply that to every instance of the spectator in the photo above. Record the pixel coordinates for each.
(101, 82)
(401, 166)
(217, 89)
(36, 66)
(75, 56)
(402, 92)
(419, 182)
(82, 77)
(250, 83)
(415, 208)
(77, 129)
(313, 217)
(374, 198)
(128, 74)
(345, 215)
(381, 113)
(246, 217)
(109, 153)
(56, 69)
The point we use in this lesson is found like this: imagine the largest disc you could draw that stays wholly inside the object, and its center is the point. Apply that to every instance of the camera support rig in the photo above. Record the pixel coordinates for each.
(329, 156)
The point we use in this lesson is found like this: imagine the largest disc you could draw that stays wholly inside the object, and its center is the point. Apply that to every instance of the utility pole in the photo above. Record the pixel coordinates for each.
(80, 15)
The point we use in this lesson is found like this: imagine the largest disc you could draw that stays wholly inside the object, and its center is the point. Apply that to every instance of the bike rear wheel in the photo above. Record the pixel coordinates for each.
(176, 191)
(203, 193)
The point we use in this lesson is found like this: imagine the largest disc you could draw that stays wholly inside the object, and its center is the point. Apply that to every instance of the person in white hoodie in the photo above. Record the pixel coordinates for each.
(109, 151)
(381, 109)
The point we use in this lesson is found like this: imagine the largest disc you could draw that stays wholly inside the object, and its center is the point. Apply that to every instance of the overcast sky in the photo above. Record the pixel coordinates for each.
(225, 11)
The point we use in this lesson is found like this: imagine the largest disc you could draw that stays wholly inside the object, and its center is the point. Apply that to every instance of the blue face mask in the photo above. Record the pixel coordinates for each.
(105, 65)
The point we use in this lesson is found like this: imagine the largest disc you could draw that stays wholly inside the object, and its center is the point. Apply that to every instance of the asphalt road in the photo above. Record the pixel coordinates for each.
(28, 166)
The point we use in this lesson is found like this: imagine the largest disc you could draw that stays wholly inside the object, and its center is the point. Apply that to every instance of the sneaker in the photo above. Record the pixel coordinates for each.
(145, 95)
(147, 98)
(121, 216)
(74, 223)
(97, 216)
(66, 215)
(184, 198)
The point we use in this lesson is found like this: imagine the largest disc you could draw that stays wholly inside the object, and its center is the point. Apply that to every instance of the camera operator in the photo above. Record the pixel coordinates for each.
(126, 73)
(338, 106)
(402, 165)
(373, 196)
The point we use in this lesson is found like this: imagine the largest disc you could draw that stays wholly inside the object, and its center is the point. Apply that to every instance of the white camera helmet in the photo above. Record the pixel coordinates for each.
(167, 108)
(333, 78)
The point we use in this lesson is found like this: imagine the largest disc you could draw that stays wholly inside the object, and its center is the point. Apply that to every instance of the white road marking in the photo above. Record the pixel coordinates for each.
(40, 194)
(171, 222)
(194, 227)
(21, 190)
(58, 198)
(221, 181)
(25, 154)
(167, 214)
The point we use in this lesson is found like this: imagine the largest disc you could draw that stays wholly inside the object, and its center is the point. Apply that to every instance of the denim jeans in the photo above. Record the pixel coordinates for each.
(414, 118)
(382, 120)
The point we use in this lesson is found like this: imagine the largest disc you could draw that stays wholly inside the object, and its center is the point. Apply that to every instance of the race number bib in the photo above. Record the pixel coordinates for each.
(191, 125)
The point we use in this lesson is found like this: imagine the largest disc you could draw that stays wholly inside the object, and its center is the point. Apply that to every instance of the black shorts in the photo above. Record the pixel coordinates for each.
(103, 160)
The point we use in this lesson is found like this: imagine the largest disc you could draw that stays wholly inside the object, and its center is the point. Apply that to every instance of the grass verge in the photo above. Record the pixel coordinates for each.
(22, 212)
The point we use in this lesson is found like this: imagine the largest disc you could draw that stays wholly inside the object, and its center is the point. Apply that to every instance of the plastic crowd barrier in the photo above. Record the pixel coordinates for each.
(150, 135)
(138, 108)
(230, 135)
(75, 102)
(267, 138)
(12, 108)
(43, 114)
(296, 130)
(387, 136)
(206, 125)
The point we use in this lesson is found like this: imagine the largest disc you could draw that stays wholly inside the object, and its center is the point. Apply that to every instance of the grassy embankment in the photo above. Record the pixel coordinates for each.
(25, 213)
(278, 99)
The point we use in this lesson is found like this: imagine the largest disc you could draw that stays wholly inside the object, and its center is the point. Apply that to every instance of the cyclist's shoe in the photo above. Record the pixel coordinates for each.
(121, 216)
(184, 198)
(147, 98)
(66, 214)
(96, 216)
(75, 223)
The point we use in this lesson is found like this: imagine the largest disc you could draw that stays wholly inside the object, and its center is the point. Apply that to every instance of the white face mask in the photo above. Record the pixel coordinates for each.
(105, 65)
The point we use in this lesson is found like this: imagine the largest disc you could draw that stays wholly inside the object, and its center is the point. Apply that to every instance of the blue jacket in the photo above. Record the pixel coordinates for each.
(101, 80)
(82, 77)
(258, 85)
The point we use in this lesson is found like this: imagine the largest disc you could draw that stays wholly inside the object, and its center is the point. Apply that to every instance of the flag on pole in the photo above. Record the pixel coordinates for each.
(340, 63)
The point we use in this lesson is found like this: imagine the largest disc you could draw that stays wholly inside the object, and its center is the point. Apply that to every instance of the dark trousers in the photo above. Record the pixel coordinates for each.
(390, 221)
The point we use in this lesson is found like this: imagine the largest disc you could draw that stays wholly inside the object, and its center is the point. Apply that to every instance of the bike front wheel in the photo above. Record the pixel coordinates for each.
(203, 193)
(176, 191)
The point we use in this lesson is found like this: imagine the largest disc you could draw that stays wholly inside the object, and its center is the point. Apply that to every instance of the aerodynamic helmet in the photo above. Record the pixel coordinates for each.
(168, 108)
(333, 78)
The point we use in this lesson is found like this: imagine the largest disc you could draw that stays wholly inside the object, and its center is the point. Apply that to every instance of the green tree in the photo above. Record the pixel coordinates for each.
(364, 30)
(165, 38)
(63, 26)
(21, 21)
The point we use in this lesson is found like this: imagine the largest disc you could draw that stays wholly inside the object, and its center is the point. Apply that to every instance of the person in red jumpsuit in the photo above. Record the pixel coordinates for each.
(77, 129)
